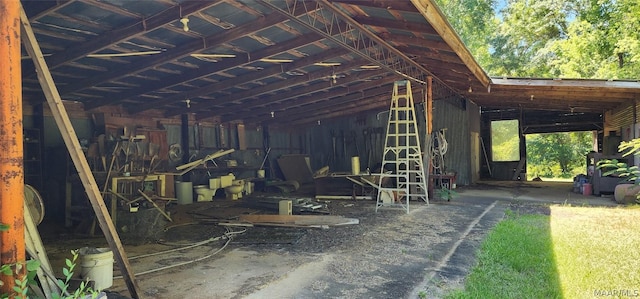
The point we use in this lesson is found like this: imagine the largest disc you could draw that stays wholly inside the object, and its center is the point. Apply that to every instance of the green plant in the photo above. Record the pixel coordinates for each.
(621, 169)
(83, 291)
(21, 287)
(446, 193)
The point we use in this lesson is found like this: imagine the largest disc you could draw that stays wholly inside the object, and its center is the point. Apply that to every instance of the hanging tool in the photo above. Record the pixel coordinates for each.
(266, 155)
(354, 139)
(101, 151)
(344, 145)
(332, 159)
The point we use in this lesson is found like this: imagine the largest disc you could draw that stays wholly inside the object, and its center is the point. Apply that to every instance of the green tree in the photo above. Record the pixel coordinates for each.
(474, 21)
(526, 29)
(505, 140)
(602, 42)
(558, 154)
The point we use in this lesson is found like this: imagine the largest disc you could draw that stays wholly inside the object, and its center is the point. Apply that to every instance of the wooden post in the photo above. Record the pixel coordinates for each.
(184, 144)
(77, 156)
(429, 106)
(12, 241)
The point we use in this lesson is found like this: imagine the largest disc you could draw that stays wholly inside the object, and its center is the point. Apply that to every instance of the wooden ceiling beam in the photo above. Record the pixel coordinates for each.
(223, 65)
(539, 93)
(123, 33)
(545, 104)
(238, 96)
(111, 8)
(383, 4)
(376, 103)
(416, 41)
(44, 8)
(311, 109)
(182, 51)
(273, 87)
(421, 28)
(426, 53)
(572, 83)
(176, 53)
(296, 97)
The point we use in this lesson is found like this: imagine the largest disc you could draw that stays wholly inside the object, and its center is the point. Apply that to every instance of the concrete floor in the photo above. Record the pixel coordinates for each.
(390, 254)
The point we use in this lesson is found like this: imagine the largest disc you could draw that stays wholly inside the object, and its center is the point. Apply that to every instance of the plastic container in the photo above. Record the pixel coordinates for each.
(184, 193)
(96, 264)
(587, 189)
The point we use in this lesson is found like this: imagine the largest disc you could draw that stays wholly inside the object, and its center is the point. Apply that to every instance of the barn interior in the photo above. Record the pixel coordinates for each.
(133, 111)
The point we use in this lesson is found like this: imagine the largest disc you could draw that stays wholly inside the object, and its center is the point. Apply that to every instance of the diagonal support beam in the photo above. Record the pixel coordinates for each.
(77, 155)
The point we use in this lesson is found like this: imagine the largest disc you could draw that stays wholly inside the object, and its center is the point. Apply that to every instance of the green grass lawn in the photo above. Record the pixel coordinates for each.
(576, 252)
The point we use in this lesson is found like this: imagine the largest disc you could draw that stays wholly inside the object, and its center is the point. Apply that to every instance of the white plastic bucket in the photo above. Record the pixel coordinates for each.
(96, 264)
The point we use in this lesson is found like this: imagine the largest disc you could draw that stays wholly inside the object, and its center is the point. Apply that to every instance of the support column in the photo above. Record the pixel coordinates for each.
(184, 144)
(12, 244)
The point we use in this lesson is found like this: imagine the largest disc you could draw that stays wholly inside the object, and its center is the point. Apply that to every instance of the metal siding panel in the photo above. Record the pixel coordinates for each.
(455, 121)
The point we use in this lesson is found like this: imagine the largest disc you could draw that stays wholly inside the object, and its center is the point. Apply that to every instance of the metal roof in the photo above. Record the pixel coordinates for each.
(305, 61)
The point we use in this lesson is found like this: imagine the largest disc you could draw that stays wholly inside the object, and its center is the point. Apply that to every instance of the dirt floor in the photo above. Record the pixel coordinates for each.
(389, 254)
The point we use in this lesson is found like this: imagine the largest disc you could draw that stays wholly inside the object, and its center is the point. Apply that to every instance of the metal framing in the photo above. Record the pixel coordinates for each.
(332, 23)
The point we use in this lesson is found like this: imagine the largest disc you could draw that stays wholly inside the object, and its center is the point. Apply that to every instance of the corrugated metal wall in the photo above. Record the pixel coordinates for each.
(334, 143)
(452, 114)
(453, 118)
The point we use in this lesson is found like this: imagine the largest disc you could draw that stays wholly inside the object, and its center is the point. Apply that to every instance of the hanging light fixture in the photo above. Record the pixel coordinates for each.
(184, 20)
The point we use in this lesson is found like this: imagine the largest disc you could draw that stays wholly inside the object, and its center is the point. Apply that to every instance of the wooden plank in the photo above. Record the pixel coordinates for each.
(195, 163)
(305, 220)
(79, 160)
(35, 248)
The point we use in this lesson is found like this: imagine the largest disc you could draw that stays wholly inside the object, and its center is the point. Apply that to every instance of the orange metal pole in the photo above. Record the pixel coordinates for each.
(12, 246)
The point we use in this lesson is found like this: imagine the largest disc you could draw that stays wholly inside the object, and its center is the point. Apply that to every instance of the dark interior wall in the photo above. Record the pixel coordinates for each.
(476, 155)
(358, 135)
(451, 115)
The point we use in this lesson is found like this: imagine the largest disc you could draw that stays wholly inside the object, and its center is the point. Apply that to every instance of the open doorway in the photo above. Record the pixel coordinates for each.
(558, 156)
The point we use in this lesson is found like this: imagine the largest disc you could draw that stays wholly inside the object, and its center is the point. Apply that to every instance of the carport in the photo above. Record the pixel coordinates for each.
(261, 79)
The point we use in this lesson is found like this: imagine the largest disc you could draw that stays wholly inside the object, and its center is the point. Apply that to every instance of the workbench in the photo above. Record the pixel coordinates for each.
(128, 186)
(447, 181)
(345, 186)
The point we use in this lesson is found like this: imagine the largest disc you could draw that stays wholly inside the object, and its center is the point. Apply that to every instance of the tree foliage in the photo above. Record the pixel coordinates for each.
(549, 38)
(558, 154)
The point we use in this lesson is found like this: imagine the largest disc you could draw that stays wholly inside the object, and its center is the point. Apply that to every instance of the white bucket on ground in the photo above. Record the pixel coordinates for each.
(96, 264)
